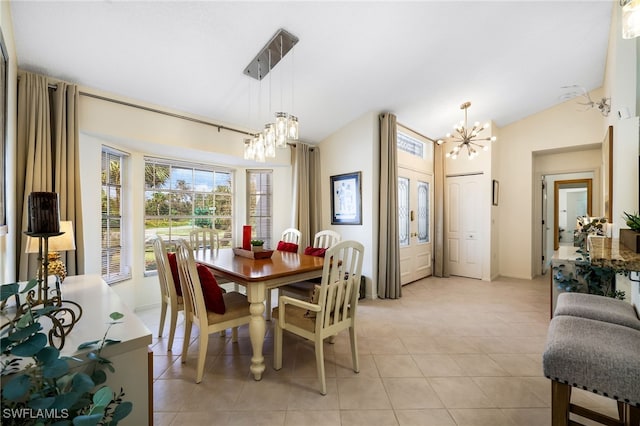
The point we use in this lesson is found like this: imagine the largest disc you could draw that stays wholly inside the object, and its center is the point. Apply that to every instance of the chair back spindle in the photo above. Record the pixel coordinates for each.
(204, 238)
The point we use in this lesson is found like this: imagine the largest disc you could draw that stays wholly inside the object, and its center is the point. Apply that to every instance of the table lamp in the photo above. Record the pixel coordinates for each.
(57, 244)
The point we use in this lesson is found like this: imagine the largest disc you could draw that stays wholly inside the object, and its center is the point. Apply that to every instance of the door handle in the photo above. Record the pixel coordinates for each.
(412, 216)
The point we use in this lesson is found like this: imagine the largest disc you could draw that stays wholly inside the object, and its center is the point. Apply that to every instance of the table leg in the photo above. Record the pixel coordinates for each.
(257, 327)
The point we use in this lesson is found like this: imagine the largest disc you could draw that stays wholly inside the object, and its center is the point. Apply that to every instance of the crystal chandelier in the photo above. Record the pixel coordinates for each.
(466, 138)
(285, 128)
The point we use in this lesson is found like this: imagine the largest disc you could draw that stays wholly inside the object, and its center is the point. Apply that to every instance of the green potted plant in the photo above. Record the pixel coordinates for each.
(41, 387)
(630, 238)
(257, 245)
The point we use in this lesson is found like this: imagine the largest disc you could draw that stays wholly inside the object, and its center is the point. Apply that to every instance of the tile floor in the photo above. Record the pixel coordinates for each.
(451, 351)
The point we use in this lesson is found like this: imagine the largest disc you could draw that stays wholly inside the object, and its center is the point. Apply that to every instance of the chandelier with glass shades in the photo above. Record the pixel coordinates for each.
(279, 133)
(466, 138)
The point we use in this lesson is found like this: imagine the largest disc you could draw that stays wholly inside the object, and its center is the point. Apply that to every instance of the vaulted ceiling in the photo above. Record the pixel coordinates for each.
(418, 59)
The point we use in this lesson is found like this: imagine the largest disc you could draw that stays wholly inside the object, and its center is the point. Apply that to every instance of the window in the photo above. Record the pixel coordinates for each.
(260, 204)
(182, 196)
(411, 145)
(115, 266)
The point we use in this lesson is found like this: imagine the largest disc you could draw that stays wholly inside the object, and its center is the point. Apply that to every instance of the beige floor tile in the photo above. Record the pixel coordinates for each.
(251, 418)
(385, 345)
(199, 418)
(518, 365)
(171, 394)
(344, 366)
(230, 366)
(421, 344)
(478, 365)
(460, 392)
(162, 362)
(262, 395)
(213, 395)
(362, 394)
(368, 418)
(481, 417)
(438, 365)
(529, 416)
(312, 418)
(427, 417)
(471, 346)
(163, 418)
(541, 387)
(304, 394)
(397, 366)
(411, 393)
(509, 392)
(455, 345)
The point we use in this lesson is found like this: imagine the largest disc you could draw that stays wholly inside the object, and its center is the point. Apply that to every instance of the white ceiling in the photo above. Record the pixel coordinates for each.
(418, 59)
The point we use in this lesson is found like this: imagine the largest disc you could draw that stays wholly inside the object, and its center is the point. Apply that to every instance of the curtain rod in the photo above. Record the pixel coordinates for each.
(170, 114)
(158, 111)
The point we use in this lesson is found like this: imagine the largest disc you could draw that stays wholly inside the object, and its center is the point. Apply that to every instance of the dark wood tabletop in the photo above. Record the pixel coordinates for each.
(281, 264)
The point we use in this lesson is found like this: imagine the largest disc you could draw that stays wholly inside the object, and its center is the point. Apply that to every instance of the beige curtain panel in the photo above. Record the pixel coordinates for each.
(440, 266)
(306, 191)
(47, 151)
(389, 286)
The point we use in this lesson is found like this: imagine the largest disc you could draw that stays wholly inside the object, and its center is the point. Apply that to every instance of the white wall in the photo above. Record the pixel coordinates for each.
(139, 133)
(354, 148)
(562, 126)
(582, 164)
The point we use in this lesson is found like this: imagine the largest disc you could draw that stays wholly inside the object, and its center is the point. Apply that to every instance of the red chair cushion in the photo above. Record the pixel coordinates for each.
(290, 247)
(313, 251)
(213, 298)
(173, 264)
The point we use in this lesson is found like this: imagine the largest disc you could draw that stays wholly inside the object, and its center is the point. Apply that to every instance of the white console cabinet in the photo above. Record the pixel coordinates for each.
(130, 358)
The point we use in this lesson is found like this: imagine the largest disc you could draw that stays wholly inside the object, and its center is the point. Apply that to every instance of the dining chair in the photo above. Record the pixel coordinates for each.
(289, 235)
(236, 308)
(168, 289)
(304, 289)
(332, 309)
(204, 238)
(208, 238)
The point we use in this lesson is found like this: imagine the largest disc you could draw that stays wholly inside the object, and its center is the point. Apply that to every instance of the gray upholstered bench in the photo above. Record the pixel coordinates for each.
(597, 356)
(599, 308)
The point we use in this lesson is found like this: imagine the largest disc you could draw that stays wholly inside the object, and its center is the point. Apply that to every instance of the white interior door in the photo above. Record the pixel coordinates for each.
(415, 198)
(462, 225)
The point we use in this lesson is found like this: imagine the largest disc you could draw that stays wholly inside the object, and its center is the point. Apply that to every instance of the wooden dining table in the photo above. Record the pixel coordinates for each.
(258, 276)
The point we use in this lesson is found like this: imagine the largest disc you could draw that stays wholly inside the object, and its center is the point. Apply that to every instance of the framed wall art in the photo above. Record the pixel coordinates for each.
(346, 199)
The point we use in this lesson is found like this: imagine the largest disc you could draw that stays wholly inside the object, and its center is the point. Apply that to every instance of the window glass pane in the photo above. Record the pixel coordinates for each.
(203, 180)
(114, 263)
(223, 182)
(411, 145)
(259, 205)
(156, 176)
(114, 201)
(156, 203)
(181, 178)
(180, 197)
(403, 211)
(423, 212)
(223, 205)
